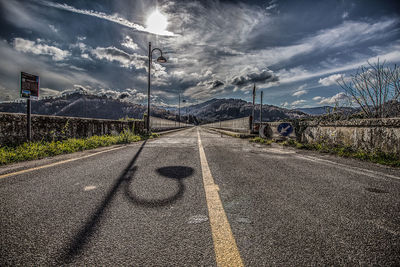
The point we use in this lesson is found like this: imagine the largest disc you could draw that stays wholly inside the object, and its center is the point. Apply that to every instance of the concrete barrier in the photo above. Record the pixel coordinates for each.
(366, 134)
(13, 127)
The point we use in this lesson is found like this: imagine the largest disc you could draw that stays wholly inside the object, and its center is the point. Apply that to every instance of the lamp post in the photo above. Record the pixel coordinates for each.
(160, 59)
(261, 99)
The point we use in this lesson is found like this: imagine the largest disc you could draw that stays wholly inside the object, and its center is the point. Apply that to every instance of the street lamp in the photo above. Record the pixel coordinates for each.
(160, 59)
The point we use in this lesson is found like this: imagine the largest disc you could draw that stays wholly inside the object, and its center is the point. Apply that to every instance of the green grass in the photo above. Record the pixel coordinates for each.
(392, 160)
(261, 140)
(37, 150)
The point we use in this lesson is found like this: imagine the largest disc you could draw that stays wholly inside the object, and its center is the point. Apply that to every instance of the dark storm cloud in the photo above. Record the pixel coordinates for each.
(263, 76)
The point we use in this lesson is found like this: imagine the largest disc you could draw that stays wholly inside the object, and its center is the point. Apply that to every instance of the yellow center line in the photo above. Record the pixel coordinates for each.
(56, 163)
(226, 251)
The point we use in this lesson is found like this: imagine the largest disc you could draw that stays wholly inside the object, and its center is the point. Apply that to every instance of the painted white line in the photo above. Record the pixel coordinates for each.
(226, 251)
(56, 163)
(360, 171)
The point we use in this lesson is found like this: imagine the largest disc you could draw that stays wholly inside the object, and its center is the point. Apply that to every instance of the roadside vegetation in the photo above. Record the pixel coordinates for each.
(392, 160)
(261, 140)
(42, 149)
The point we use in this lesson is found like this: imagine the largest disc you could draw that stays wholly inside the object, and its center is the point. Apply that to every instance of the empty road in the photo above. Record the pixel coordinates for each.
(196, 198)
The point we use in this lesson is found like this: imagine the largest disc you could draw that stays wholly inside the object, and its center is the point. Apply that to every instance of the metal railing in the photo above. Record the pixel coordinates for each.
(158, 124)
(237, 125)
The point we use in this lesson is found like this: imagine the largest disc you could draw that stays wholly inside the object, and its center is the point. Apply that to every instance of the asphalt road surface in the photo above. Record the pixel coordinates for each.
(196, 198)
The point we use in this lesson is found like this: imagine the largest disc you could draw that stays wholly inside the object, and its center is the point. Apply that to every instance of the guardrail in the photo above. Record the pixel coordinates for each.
(158, 124)
(236, 125)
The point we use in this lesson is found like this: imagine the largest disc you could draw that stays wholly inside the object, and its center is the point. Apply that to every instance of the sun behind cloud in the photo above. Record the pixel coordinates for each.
(157, 23)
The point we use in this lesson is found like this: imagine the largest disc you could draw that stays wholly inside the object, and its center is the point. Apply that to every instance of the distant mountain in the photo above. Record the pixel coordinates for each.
(316, 111)
(78, 104)
(81, 104)
(225, 109)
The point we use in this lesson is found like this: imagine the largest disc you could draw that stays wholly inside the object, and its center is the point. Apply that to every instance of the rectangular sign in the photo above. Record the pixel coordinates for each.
(29, 85)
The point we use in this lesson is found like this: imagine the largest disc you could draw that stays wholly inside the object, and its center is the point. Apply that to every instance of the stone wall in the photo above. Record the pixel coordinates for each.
(366, 134)
(13, 127)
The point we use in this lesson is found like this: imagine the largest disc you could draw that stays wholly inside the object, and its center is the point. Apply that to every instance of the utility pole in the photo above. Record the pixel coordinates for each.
(28, 119)
(179, 110)
(261, 98)
(252, 114)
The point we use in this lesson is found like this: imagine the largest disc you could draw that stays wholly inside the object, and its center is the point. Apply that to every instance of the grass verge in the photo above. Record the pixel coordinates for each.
(392, 160)
(38, 150)
(261, 140)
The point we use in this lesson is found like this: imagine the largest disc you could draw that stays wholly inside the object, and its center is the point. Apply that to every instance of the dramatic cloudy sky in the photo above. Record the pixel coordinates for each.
(293, 50)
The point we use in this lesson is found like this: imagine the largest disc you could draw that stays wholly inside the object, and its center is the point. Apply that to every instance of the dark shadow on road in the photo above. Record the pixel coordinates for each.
(86, 232)
(173, 172)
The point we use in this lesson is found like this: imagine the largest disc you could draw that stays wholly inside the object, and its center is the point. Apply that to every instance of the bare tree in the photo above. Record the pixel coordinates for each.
(374, 88)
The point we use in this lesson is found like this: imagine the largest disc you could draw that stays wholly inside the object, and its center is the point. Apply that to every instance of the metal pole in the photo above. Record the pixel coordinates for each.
(261, 107)
(28, 119)
(254, 98)
(179, 110)
(148, 91)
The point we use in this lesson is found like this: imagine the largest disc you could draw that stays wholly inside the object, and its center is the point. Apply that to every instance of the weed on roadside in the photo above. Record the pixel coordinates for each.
(261, 140)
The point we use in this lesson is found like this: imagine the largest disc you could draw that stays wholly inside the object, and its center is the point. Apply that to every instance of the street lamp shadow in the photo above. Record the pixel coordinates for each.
(177, 173)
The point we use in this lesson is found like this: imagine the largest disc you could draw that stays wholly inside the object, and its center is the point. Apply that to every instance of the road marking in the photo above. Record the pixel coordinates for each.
(89, 187)
(56, 163)
(226, 251)
(360, 171)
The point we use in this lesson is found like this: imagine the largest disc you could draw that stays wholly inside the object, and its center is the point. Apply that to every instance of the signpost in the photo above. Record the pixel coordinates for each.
(29, 88)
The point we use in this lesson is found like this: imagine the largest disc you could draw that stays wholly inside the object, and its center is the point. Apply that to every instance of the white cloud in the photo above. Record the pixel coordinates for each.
(53, 28)
(125, 59)
(48, 92)
(317, 98)
(345, 15)
(298, 102)
(330, 80)
(334, 99)
(300, 90)
(128, 42)
(285, 104)
(300, 93)
(299, 74)
(38, 48)
(347, 34)
(116, 18)
(205, 89)
(59, 76)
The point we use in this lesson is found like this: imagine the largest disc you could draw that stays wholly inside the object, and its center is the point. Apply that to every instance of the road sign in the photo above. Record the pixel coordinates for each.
(285, 129)
(29, 85)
